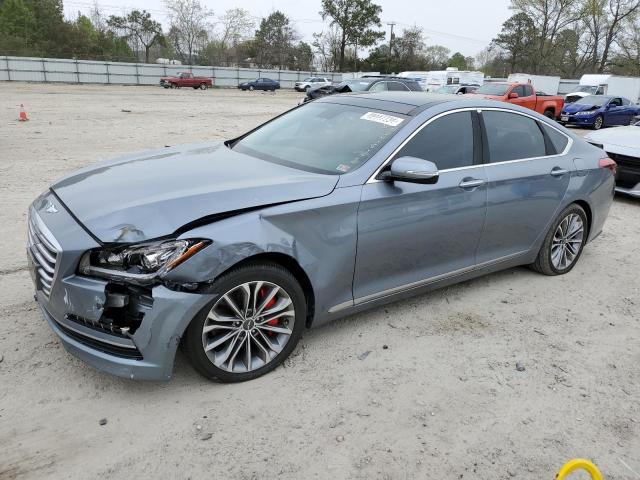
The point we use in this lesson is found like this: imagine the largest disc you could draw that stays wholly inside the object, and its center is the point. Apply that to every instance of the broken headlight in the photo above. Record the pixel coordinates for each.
(141, 263)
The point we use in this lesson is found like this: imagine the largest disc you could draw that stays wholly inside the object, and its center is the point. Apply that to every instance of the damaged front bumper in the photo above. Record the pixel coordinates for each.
(124, 330)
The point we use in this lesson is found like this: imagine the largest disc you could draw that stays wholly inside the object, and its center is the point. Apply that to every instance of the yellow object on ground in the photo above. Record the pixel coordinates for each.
(577, 465)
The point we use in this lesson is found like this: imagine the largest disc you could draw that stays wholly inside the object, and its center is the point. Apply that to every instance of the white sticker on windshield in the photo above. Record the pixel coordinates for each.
(382, 118)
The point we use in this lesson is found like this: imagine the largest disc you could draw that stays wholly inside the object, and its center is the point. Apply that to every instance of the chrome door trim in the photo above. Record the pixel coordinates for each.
(373, 179)
(420, 283)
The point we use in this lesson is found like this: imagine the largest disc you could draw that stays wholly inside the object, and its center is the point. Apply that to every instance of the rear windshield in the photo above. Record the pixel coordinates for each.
(493, 89)
(322, 137)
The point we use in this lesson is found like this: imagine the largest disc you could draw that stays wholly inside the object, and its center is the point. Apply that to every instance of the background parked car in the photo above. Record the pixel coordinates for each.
(622, 145)
(458, 89)
(598, 111)
(186, 79)
(260, 84)
(311, 82)
(366, 84)
(525, 95)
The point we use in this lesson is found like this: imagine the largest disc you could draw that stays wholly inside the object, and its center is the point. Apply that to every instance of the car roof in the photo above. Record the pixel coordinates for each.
(405, 103)
(412, 103)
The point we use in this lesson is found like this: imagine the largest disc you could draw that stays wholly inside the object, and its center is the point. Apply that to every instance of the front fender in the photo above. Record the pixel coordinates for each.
(320, 235)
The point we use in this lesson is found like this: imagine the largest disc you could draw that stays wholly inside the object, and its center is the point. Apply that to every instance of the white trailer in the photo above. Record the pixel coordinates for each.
(541, 83)
(600, 84)
(433, 80)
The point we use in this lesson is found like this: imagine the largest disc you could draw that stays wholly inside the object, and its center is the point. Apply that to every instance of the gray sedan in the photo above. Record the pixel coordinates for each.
(234, 249)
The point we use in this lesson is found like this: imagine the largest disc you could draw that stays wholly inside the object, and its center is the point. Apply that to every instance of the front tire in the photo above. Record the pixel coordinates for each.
(564, 243)
(203, 86)
(251, 88)
(252, 327)
(598, 123)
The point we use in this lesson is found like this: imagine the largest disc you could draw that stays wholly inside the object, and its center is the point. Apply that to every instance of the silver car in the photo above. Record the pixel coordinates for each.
(234, 249)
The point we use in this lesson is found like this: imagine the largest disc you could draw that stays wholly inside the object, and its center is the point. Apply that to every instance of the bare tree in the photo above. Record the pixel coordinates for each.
(189, 23)
(549, 17)
(237, 26)
(619, 13)
(326, 48)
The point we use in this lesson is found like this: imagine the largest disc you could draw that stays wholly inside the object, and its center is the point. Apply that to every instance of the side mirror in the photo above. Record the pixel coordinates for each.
(513, 95)
(412, 170)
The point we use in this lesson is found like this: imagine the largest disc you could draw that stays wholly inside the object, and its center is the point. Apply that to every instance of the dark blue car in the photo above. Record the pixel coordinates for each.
(260, 84)
(597, 111)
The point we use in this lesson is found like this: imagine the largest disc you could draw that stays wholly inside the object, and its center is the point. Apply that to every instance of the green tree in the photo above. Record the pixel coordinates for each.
(139, 28)
(356, 19)
(273, 41)
(518, 39)
(17, 20)
(459, 61)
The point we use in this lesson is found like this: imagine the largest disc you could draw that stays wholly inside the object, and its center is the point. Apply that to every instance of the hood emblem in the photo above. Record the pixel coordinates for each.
(50, 208)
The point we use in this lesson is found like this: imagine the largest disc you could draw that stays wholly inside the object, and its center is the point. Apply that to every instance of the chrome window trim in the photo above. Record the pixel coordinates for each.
(373, 179)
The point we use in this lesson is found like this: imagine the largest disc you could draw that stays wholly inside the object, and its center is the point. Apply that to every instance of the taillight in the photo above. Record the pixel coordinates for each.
(608, 163)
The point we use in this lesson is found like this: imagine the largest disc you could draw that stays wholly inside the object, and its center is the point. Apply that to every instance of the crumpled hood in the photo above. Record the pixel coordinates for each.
(154, 193)
(579, 107)
(626, 137)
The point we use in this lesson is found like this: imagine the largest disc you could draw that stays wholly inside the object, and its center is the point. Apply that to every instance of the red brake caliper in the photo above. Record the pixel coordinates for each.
(270, 303)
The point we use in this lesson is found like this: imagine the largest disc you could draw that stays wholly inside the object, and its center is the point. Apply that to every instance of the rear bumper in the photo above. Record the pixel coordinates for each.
(634, 192)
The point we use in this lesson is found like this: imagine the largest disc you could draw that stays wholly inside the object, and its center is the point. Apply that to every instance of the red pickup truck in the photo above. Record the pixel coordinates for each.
(523, 94)
(186, 79)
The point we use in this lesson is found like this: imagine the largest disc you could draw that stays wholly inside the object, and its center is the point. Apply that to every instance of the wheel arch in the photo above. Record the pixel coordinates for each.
(292, 265)
(587, 210)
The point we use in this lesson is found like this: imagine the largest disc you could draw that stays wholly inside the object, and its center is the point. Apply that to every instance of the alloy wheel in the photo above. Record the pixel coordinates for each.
(567, 241)
(598, 123)
(248, 326)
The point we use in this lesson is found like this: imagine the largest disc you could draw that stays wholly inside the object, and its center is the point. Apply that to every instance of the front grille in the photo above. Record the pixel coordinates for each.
(44, 255)
(118, 351)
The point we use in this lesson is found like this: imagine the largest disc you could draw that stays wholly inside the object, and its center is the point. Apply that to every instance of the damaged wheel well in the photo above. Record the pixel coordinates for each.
(294, 267)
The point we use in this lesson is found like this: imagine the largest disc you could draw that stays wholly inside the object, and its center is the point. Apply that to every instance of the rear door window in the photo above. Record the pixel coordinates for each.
(447, 142)
(512, 137)
(558, 140)
(528, 91)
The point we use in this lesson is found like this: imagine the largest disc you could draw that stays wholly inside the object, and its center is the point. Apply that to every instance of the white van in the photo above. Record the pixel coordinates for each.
(433, 80)
(600, 84)
(541, 83)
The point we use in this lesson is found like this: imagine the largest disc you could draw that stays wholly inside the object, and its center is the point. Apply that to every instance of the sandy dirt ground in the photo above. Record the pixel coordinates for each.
(444, 400)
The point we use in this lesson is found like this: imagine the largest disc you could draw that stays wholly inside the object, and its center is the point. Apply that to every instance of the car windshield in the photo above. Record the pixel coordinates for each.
(595, 100)
(447, 89)
(585, 89)
(308, 79)
(322, 137)
(493, 89)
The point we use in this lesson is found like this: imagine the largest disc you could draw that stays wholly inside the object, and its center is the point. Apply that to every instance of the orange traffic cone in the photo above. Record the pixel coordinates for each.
(23, 114)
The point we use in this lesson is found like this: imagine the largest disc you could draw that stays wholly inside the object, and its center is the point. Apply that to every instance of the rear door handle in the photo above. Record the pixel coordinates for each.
(558, 172)
(471, 183)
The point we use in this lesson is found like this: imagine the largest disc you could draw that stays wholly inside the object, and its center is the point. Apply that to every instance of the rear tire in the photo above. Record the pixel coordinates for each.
(251, 88)
(203, 86)
(231, 283)
(567, 236)
(550, 114)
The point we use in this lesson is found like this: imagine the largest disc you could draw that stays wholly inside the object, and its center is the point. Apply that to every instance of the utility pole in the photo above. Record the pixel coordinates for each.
(391, 24)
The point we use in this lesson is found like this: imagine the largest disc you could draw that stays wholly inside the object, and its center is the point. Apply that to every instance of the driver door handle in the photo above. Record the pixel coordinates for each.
(471, 183)
(558, 172)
